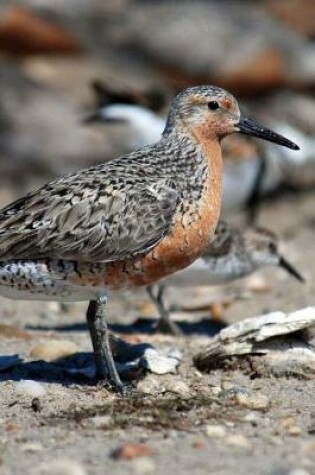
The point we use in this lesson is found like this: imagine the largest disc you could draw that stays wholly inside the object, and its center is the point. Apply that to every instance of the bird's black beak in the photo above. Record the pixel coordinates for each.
(97, 117)
(250, 127)
(290, 269)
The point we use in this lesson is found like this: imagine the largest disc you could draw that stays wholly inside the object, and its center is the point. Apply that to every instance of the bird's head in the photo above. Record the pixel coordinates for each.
(263, 247)
(209, 112)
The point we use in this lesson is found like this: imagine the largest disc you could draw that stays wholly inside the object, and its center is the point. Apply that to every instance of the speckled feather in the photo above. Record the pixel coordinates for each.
(109, 212)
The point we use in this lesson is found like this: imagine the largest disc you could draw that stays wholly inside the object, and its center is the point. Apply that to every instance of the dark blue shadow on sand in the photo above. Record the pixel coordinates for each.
(205, 326)
(78, 368)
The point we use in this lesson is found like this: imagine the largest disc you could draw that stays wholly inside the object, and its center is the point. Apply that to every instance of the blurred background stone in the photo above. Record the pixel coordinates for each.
(52, 51)
(23, 32)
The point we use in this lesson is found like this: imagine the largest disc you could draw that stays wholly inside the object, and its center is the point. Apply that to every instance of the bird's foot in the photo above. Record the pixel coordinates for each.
(116, 387)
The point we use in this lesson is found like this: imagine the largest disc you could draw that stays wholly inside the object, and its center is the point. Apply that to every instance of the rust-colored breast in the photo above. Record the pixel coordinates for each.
(188, 240)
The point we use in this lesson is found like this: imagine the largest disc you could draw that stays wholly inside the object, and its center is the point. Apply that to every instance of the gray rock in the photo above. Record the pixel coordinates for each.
(191, 43)
(160, 363)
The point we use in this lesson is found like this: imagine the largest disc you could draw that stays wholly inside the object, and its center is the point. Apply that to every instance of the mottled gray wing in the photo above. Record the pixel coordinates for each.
(222, 242)
(92, 221)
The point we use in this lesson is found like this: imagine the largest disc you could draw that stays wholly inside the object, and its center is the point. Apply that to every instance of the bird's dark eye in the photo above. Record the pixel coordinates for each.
(213, 105)
(272, 247)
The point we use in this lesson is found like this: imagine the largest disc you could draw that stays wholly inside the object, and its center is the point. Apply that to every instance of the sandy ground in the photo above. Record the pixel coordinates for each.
(82, 424)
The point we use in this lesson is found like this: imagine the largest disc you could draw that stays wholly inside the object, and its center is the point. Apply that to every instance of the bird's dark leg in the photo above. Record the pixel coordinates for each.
(165, 324)
(253, 202)
(104, 361)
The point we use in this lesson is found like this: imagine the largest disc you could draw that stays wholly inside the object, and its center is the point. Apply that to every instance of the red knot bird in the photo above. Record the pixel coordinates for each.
(232, 254)
(126, 223)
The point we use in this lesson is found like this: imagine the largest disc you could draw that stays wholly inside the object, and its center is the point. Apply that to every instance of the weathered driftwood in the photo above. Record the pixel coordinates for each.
(278, 335)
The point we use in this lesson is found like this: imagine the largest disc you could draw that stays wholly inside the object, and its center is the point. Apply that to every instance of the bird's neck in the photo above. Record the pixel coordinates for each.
(197, 166)
(193, 149)
(202, 184)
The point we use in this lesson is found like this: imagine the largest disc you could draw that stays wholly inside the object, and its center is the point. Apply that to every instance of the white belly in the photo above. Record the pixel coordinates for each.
(27, 280)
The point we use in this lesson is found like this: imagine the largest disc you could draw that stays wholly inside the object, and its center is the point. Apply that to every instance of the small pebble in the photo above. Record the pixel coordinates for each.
(257, 283)
(258, 402)
(230, 392)
(217, 311)
(12, 427)
(100, 422)
(8, 331)
(173, 434)
(150, 385)
(36, 405)
(143, 466)
(299, 471)
(227, 384)
(160, 364)
(229, 424)
(251, 417)
(197, 444)
(31, 388)
(238, 441)
(131, 451)
(53, 349)
(53, 307)
(215, 431)
(287, 422)
(216, 390)
(32, 447)
(178, 387)
(294, 430)
(64, 307)
(198, 373)
(61, 467)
